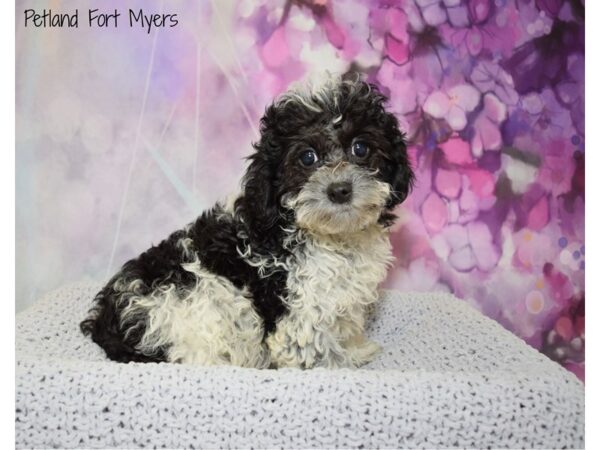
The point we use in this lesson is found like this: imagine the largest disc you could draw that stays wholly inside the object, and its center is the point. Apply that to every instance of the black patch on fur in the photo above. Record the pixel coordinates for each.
(160, 265)
(217, 238)
(287, 129)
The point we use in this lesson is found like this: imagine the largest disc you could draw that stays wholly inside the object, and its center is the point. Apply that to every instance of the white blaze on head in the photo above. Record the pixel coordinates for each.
(320, 92)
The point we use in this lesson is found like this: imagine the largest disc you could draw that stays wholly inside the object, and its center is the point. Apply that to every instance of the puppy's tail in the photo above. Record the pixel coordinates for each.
(103, 326)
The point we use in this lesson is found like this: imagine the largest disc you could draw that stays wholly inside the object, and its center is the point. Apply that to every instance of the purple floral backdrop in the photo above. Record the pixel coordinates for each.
(123, 136)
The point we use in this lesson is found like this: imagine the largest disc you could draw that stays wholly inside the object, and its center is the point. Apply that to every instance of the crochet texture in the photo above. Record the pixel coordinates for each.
(447, 377)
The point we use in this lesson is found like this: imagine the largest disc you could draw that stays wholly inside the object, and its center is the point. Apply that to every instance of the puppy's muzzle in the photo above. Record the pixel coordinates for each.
(340, 192)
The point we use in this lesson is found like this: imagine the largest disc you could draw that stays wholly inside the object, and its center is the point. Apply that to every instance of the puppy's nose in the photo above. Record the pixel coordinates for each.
(340, 192)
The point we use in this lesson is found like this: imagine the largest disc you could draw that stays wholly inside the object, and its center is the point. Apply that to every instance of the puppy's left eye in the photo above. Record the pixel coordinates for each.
(360, 150)
(308, 157)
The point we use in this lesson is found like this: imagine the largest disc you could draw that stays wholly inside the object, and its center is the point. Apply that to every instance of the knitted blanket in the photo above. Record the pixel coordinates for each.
(447, 377)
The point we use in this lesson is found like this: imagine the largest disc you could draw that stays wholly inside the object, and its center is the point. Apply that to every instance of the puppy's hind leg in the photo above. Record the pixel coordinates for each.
(211, 323)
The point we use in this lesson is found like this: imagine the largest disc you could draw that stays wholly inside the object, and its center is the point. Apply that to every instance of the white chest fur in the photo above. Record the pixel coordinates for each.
(337, 272)
(331, 281)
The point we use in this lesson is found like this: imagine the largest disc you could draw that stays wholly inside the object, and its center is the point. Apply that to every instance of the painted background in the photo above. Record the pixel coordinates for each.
(124, 136)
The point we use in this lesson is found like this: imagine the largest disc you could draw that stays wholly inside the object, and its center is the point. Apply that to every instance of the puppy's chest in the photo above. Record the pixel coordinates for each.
(348, 269)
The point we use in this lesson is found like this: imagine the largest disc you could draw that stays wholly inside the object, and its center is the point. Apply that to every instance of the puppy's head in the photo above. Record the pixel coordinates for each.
(330, 159)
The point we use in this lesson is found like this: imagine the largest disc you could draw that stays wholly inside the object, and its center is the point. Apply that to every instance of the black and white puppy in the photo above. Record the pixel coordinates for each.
(284, 274)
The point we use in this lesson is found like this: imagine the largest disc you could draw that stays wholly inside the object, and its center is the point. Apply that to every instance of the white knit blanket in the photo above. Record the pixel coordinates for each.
(447, 377)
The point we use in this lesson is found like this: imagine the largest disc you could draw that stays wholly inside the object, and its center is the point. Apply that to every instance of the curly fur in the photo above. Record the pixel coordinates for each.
(280, 275)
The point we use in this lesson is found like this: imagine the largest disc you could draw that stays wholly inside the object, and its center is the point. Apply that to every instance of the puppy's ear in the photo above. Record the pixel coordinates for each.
(402, 176)
(396, 170)
(258, 205)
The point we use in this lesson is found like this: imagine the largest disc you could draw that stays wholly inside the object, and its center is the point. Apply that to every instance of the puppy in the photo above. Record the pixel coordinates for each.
(284, 274)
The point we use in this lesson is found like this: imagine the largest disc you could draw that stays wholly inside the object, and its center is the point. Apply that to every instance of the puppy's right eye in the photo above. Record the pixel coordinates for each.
(308, 158)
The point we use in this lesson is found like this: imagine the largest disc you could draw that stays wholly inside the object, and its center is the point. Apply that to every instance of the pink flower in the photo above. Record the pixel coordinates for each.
(570, 91)
(434, 212)
(403, 88)
(471, 246)
(539, 215)
(550, 7)
(488, 76)
(499, 32)
(453, 106)
(391, 25)
(486, 253)
(481, 182)
(469, 38)
(570, 214)
(448, 183)
(558, 167)
(487, 125)
(458, 15)
(457, 151)
(479, 10)
(547, 114)
(428, 69)
(532, 250)
(276, 52)
(433, 13)
(468, 204)
(396, 50)
(335, 34)
(396, 24)
(559, 283)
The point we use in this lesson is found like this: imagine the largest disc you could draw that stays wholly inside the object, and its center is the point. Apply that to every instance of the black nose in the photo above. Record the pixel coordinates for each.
(340, 192)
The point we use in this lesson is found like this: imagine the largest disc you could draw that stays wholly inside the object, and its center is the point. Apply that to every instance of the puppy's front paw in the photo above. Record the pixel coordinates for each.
(305, 348)
(362, 350)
